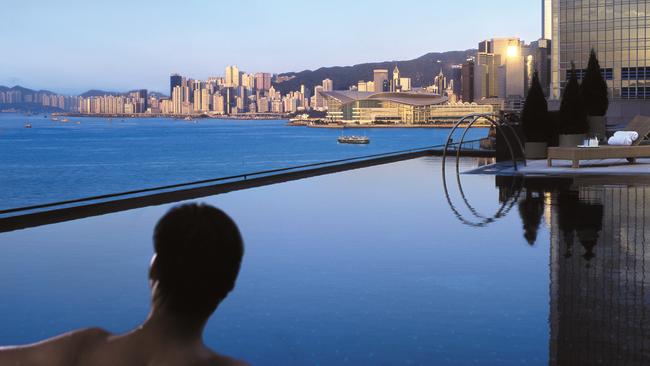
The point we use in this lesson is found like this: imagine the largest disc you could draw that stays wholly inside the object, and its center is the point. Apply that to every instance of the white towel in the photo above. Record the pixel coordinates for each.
(620, 140)
(631, 134)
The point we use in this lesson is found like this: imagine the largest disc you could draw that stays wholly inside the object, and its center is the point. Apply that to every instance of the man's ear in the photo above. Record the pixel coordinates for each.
(153, 269)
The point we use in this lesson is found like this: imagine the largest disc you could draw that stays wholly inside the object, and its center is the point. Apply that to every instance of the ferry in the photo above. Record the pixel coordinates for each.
(358, 140)
(28, 125)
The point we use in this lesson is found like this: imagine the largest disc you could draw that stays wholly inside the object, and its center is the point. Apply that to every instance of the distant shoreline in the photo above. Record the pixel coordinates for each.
(172, 116)
(354, 126)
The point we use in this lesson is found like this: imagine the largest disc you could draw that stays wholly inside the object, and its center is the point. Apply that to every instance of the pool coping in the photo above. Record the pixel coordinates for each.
(63, 214)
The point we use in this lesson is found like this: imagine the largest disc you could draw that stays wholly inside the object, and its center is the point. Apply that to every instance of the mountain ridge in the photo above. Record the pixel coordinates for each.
(421, 70)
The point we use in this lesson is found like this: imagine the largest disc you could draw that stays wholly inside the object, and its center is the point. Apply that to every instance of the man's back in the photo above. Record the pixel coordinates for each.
(96, 347)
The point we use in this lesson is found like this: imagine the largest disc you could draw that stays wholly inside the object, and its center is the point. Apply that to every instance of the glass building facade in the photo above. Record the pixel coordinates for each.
(617, 29)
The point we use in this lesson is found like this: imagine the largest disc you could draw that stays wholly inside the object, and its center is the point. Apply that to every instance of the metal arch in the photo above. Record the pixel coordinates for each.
(509, 203)
(476, 117)
(503, 210)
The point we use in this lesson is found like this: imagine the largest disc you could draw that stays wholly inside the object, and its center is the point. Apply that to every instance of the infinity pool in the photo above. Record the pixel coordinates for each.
(375, 266)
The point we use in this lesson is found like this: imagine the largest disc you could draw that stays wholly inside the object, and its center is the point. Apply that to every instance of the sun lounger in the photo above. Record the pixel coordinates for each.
(640, 124)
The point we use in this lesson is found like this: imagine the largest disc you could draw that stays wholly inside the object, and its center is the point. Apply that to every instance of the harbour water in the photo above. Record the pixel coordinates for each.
(54, 161)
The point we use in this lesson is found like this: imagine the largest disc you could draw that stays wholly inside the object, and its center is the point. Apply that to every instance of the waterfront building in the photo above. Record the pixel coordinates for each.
(618, 30)
(218, 104)
(396, 108)
(196, 104)
(380, 79)
(177, 100)
(263, 105)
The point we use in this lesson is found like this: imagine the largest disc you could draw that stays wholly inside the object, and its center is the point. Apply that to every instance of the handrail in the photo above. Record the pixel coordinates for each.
(221, 179)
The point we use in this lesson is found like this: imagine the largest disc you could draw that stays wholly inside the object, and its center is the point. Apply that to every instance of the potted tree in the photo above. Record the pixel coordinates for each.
(595, 97)
(534, 119)
(573, 116)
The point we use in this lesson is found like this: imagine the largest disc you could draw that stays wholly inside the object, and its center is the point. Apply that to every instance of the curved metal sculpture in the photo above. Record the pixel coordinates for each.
(510, 202)
(496, 122)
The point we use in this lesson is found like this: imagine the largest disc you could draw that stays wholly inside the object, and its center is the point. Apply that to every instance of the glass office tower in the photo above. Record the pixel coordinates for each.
(617, 29)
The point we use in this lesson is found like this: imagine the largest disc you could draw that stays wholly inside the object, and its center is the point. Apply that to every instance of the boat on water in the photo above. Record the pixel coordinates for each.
(188, 119)
(28, 125)
(54, 119)
(65, 120)
(358, 140)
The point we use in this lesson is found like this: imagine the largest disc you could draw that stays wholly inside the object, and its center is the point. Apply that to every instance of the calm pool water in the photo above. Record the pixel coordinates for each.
(373, 267)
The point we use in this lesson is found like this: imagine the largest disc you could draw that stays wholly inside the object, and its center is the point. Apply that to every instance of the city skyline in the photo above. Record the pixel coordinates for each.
(65, 48)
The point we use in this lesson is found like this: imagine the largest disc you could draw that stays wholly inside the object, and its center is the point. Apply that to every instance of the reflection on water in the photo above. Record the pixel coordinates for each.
(599, 285)
(370, 266)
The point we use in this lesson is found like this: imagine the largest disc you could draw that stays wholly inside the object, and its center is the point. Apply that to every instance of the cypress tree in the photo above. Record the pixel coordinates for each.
(573, 116)
(594, 88)
(534, 117)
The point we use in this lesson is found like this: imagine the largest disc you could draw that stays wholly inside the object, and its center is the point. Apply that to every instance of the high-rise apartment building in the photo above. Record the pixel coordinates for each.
(248, 81)
(233, 76)
(262, 81)
(619, 31)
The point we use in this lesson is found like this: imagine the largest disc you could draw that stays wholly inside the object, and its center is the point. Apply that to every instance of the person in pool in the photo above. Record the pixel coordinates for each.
(198, 252)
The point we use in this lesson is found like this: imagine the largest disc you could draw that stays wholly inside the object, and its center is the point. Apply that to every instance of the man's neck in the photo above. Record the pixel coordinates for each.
(166, 328)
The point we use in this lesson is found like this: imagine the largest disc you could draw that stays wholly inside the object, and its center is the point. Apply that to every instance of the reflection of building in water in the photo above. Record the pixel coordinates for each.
(600, 277)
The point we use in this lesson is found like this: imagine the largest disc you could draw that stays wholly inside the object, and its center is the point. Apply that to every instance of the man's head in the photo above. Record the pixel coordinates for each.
(198, 254)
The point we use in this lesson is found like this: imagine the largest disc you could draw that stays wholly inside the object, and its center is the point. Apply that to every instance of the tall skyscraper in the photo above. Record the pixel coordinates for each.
(547, 19)
(499, 71)
(174, 80)
(619, 32)
(395, 83)
(456, 76)
(380, 80)
(248, 81)
(467, 81)
(233, 76)
(328, 85)
(318, 98)
(262, 81)
(440, 82)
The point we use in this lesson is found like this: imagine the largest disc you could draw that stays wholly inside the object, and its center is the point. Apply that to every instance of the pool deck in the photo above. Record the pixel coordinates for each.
(604, 167)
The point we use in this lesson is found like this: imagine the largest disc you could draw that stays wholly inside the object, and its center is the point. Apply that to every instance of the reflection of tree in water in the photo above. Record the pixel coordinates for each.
(531, 210)
(581, 218)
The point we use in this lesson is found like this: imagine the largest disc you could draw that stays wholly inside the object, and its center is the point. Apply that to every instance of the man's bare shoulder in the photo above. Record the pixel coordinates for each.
(54, 351)
(219, 360)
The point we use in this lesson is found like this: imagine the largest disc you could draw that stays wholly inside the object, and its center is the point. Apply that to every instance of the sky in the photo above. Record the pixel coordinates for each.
(70, 46)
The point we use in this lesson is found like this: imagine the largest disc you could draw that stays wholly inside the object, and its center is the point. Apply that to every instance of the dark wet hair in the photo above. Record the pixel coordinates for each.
(199, 251)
